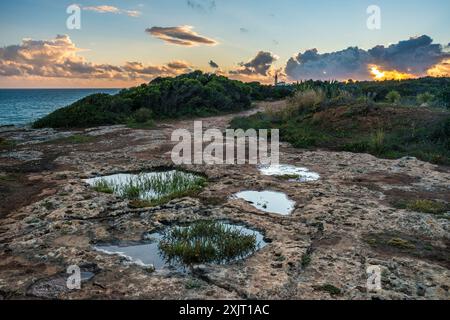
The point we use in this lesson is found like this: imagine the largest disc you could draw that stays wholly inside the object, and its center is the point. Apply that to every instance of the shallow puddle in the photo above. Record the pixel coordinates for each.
(144, 254)
(293, 173)
(268, 201)
(148, 185)
(147, 253)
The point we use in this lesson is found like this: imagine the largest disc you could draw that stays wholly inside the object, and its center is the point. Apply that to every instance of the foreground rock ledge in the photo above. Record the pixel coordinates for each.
(342, 223)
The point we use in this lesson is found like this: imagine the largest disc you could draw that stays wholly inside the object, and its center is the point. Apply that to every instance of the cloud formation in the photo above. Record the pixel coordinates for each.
(179, 65)
(112, 9)
(414, 56)
(213, 65)
(182, 35)
(59, 58)
(259, 65)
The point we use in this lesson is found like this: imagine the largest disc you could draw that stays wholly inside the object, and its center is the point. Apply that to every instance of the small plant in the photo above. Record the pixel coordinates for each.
(74, 139)
(401, 243)
(48, 205)
(103, 186)
(427, 206)
(193, 284)
(306, 260)
(141, 119)
(206, 242)
(304, 102)
(332, 290)
(377, 142)
(150, 190)
(142, 115)
(425, 98)
(393, 97)
(291, 176)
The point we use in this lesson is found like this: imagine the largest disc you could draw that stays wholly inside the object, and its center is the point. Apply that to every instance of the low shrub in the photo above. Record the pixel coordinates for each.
(393, 97)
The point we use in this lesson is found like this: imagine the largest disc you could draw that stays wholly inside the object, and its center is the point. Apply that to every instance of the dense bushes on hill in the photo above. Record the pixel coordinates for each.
(437, 87)
(188, 95)
(378, 91)
(199, 94)
(310, 119)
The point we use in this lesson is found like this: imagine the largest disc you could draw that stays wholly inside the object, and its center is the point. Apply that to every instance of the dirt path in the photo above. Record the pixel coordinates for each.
(342, 223)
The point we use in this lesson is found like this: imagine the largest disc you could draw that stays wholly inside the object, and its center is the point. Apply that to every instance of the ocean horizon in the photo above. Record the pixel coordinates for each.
(24, 106)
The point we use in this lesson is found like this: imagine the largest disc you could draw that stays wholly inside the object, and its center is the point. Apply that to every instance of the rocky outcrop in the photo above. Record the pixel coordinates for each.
(342, 223)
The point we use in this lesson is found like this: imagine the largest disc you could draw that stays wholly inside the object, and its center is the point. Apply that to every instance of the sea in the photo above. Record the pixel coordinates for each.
(24, 106)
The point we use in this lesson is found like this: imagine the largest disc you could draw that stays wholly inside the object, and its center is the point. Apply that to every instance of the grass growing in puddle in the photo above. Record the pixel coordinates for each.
(207, 242)
(149, 189)
(103, 186)
(179, 247)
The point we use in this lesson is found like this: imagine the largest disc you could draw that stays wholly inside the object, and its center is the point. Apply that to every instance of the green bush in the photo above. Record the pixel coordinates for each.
(425, 98)
(304, 102)
(188, 95)
(142, 115)
(393, 97)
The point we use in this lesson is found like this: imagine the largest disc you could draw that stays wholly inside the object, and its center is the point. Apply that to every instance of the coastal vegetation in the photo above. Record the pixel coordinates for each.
(334, 116)
(194, 94)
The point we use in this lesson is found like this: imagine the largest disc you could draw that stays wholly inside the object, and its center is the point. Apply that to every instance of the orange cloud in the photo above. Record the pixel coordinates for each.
(440, 70)
(112, 9)
(60, 58)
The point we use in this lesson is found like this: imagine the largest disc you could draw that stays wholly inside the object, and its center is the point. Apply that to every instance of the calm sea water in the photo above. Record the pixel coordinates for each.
(23, 106)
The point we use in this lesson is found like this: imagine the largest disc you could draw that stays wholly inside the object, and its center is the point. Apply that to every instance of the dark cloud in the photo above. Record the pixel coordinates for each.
(59, 58)
(259, 65)
(212, 64)
(202, 5)
(414, 56)
(179, 65)
(243, 30)
(182, 35)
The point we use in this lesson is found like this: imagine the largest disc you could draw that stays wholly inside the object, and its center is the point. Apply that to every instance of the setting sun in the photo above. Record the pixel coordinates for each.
(380, 75)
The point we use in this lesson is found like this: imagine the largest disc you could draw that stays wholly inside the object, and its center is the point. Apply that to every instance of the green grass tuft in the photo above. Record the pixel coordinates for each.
(206, 242)
(332, 290)
(427, 206)
(74, 139)
(401, 243)
(147, 191)
(103, 187)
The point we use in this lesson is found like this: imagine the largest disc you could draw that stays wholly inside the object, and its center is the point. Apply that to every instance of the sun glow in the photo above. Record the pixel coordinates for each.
(440, 70)
(380, 75)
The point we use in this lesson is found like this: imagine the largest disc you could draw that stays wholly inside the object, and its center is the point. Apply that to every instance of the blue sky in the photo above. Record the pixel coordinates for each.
(282, 27)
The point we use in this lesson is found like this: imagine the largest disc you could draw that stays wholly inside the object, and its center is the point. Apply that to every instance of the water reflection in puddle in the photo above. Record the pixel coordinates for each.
(150, 185)
(292, 172)
(146, 253)
(268, 201)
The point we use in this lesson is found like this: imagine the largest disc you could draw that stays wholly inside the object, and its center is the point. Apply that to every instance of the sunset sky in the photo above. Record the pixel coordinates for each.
(126, 42)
